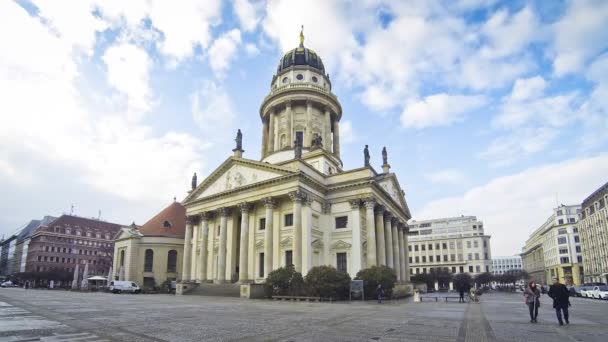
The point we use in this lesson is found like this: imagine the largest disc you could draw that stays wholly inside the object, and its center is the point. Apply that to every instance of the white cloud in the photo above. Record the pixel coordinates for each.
(506, 149)
(251, 49)
(128, 72)
(222, 51)
(448, 176)
(527, 88)
(347, 133)
(248, 14)
(580, 35)
(439, 110)
(212, 111)
(512, 206)
(507, 35)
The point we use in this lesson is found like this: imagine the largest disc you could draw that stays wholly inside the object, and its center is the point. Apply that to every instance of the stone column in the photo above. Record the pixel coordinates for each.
(307, 234)
(290, 134)
(270, 204)
(402, 259)
(308, 135)
(370, 203)
(337, 138)
(355, 226)
(388, 239)
(297, 197)
(395, 239)
(187, 249)
(271, 136)
(221, 263)
(406, 257)
(264, 137)
(244, 252)
(202, 266)
(380, 239)
(327, 131)
(194, 257)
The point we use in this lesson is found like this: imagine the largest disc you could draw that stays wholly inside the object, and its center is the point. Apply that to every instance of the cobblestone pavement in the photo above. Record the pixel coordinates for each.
(42, 315)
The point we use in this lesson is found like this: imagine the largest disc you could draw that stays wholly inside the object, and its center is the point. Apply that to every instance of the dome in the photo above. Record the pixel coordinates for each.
(301, 56)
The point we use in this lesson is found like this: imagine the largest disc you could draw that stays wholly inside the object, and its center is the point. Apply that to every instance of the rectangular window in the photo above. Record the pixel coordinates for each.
(288, 258)
(288, 220)
(453, 269)
(485, 256)
(471, 269)
(423, 258)
(459, 244)
(579, 258)
(452, 257)
(468, 244)
(430, 247)
(560, 221)
(563, 251)
(300, 136)
(561, 240)
(475, 243)
(487, 268)
(341, 262)
(437, 246)
(411, 271)
(470, 256)
(262, 225)
(417, 260)
(445, 257)
(444, 245)
(423, 247)
(409, 248)
(451, 244)
(416, 248)
(410, 259)
(562, 231)
(572, 220)
(341, 222)
(261, 266)
(477, 269)
(578, 249)
(424, 270)
(461, 269)
(576, 238)
(564, 260)
(430, 258)
(485, 243)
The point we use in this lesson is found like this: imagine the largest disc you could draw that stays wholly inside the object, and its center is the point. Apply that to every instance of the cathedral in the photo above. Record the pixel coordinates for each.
(296, 205)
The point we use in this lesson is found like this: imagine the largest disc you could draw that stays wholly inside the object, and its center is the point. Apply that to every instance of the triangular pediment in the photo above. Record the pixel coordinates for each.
(234, 174)
(317, 244)
(259, 244)
(127, 233)
(390, 185)
(341, 245)
(287, 242)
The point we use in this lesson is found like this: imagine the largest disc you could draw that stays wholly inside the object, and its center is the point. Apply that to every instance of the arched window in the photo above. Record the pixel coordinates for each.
(172, 261)
(122, 257)
(149, 260)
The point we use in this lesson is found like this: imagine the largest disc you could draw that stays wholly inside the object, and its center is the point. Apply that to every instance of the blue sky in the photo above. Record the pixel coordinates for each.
(487, 108)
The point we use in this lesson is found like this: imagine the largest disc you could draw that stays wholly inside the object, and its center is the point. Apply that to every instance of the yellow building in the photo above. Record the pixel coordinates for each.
(152, 254)
(593, 228)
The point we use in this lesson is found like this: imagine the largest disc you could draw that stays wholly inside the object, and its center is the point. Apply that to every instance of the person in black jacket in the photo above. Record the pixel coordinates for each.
(561, 300)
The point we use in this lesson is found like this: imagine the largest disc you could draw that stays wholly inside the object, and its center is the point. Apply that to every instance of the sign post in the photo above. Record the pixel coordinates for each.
(356, 290)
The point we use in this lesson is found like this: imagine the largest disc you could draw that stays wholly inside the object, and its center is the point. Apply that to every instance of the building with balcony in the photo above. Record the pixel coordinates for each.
(502, 264)
(593, 230)
(455, 244)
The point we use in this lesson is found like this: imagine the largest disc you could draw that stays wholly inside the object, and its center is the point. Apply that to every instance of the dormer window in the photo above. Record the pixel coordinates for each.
(68, 231)
(78, 233)
(167, 224)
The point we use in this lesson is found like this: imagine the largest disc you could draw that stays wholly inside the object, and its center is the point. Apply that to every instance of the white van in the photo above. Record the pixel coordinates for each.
(118, 286)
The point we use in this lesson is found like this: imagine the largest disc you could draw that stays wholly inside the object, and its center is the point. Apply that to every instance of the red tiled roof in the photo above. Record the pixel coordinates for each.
(171, 221)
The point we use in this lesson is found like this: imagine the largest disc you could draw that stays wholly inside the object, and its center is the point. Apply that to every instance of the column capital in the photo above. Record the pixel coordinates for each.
(269, 203)
(308, 103)
(395, 222)
(225, 211)
(379, 209)
(206, 215)
(245, 207)
(369, 202)
(298, 196)
(308, 201)
(387, 215)
(355, 203)
(192, 219)
(288, 103)
(326, 207)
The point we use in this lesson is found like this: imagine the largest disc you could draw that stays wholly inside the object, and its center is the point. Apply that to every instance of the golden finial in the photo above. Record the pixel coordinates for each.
(302, 37)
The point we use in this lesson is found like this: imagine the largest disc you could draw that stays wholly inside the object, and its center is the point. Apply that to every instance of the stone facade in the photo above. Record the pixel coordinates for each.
(500, 265)
(593, 229)
(554, 250)
(457, 244)
(249, 217)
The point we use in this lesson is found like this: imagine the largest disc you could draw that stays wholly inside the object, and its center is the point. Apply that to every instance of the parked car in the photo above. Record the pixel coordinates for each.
(585, 291)
(599, 292)
(8, 284)
(119, 286)
(577, 291)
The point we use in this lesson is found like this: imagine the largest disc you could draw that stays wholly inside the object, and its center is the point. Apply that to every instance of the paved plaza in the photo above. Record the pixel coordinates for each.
(42, 315)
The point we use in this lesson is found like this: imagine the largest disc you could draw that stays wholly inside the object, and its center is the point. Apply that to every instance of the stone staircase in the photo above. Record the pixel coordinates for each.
(218, 290)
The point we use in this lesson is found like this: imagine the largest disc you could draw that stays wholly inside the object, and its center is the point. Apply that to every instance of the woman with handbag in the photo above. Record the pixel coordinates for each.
(532, 299)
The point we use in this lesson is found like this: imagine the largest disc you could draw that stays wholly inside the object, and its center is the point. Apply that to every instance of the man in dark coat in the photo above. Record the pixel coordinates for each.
(561, 300)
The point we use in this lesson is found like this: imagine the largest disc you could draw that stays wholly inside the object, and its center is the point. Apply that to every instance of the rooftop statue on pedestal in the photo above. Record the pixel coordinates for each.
(366, 156)
(194, 182)
(384, 156)
(239, 141)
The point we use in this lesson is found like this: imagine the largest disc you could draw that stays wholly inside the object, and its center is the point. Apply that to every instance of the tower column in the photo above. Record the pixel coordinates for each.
(388, 239)
(337, 138)
(290, 134)
(355, 225)
(271, 136)
(308, 135)
(187, 247)
(327, 131)
(270, 204)
(406, 253)
(402, 259)
(395, 240)
(193, 263)
(380, 239)
(370, 203)
(244, 252)
(202, 266)
(307, 234)
(264, 137)
(297, 197)
(221, 264)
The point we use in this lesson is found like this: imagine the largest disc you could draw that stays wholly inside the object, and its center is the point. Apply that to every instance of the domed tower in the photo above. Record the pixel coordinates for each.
(301, 107)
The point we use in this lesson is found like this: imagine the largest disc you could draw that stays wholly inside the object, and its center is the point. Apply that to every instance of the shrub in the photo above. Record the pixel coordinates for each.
(377, 275)
(462, 280)
(284, 281)
(326, 281)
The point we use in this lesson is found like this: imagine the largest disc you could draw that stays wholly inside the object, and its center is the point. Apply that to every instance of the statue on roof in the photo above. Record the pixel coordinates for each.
(193, 182)
(239, 140)
(317, 142)
(366, 155)
(298, 149)
(302, 37)
(384, 156)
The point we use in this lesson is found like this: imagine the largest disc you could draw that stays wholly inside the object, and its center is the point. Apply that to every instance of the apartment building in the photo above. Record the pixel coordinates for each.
(593, 230)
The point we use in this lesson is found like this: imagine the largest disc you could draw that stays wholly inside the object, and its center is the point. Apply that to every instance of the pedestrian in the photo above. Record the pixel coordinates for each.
(27, 284)
(461, 291)
(532, 299)
(561, 300)
(380, 293)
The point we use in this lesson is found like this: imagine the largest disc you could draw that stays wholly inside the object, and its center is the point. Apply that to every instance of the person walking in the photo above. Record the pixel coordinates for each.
(380, 293)
(561, 300)
(532, 299)
(461, 291)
